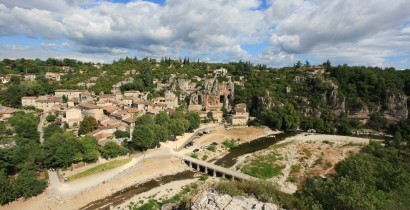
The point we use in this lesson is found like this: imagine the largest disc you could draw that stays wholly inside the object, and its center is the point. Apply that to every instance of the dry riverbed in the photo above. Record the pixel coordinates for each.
(296, 158)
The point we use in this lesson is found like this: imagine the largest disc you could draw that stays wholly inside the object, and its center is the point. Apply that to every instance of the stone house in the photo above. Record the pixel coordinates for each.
(92, 110)
(53, 76)
(30, 77)
(240, 116)
(73, 117)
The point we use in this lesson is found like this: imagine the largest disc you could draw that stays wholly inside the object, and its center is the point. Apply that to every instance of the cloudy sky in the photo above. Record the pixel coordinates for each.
(272, 32)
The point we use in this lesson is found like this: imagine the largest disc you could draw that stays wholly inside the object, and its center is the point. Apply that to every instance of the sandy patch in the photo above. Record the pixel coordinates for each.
(142, 172)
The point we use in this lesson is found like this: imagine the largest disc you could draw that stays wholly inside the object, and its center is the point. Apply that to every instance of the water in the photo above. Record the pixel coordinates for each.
(129, 192)
(253, 146)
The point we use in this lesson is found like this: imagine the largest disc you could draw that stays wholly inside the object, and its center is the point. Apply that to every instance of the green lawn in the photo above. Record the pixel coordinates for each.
(100, 168)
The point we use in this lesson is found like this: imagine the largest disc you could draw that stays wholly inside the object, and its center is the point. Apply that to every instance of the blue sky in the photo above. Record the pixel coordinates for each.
(272, 32)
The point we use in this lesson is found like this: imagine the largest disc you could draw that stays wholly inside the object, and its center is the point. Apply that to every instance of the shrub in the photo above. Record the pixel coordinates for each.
(51, 118)
(212, 148)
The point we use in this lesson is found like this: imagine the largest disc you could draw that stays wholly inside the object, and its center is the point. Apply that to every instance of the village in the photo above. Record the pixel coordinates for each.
(119, 110)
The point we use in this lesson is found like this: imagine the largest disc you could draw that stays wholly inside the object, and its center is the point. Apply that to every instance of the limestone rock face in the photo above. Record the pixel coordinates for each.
(263, 103)
(214, 94)
(214, 200)
(394, 106)
(335, 101)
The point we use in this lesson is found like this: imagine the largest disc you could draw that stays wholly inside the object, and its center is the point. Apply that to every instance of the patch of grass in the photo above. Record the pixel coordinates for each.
(151, 205)
(194, 156)
(205, 157)
(328, 142)
(212, 148)
(100, 168)
(352, 144)
(319, 161)
(203, 178)
(307, 152)
(295, 168)
(230, 143)
(276, 146)
(263, 167)
(328, 165)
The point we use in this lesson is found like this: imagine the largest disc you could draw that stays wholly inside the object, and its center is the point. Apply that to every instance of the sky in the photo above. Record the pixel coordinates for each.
(272, 32)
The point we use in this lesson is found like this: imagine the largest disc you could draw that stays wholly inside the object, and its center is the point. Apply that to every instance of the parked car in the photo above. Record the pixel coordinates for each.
(196, 150)
(204, 147)
(207, 131)
(214, 143)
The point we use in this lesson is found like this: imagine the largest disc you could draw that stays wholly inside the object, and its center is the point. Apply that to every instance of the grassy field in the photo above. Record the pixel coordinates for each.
(263, 167)
(100, 168)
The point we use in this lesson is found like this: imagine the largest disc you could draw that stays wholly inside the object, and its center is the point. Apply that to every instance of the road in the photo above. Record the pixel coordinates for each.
(40, 127)
(64, 189)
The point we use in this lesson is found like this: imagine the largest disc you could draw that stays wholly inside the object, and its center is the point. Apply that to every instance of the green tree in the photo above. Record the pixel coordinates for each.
(51, 118)
(144, 120)
(89, 148)
(87, 125)
(143, 137)
(51, 129)
(7, 192)
(112, 150)
(194, 120)
(27, 184)
(121, 134)
(61, 149)
(162, 118)
(178, 126)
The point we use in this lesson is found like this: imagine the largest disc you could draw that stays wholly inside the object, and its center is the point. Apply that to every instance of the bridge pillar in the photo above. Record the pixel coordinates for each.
(214, 173)
(190, 164)
(223, 175)
(206, 169)
(197, 167)
(233, 178)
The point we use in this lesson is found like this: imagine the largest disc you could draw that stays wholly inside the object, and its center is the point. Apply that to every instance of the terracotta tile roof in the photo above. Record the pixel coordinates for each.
(132, 110)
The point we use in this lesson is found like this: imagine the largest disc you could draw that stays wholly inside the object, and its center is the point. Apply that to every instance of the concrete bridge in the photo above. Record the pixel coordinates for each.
(214, 170)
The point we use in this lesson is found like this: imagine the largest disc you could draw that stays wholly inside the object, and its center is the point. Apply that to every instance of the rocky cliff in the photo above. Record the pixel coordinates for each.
(394, 106)
(214, 200)
(334, 100)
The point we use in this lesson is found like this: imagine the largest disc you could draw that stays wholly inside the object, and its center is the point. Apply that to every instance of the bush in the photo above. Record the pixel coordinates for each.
(212, 148)
(121, 134)
(232, 143)
(51, 118)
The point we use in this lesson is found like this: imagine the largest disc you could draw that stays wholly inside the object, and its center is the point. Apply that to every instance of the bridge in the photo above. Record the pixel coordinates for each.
(213, 169)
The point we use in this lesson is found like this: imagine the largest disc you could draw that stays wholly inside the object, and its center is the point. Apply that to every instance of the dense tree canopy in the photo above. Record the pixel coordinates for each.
(87, 125)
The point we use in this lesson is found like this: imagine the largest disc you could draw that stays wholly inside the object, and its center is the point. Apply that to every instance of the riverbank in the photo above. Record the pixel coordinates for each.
(301, 156)
(218, 135)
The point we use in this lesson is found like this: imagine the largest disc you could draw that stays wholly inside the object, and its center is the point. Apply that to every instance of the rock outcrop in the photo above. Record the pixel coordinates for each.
(334, 100)
(214, 200)
(214, 95)
(263, 103)
(394, 106)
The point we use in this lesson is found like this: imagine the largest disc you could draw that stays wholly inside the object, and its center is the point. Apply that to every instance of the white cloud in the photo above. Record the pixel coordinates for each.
(362, 32)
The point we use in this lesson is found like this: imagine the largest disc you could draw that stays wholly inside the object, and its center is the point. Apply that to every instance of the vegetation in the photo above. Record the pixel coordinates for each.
(263, 191)
(263, 167)
(87, 125)
(230, 143)
(375, 179)
(113, 150)
(100, 168)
